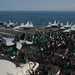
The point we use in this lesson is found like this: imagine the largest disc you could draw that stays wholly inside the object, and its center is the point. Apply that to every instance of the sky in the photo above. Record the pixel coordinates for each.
(37, 5)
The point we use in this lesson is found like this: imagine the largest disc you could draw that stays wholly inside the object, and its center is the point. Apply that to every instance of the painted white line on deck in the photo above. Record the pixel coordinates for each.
(6, 33)
(32, 48)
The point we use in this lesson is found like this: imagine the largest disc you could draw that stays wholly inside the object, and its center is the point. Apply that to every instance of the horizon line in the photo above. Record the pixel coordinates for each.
(42, 10)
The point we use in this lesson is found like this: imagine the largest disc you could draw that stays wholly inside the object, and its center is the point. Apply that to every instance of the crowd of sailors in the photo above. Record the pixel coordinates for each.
(53, 47)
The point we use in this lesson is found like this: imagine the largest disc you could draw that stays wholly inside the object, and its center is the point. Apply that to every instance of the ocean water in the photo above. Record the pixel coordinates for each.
(38, 17)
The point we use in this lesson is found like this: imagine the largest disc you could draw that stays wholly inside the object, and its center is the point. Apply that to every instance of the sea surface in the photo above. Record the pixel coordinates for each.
(38, 17)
